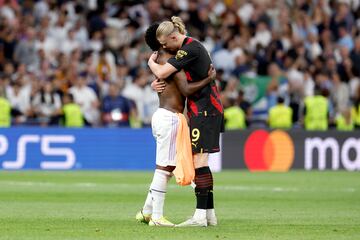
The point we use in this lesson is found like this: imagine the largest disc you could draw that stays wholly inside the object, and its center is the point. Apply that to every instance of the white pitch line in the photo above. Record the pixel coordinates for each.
(240, 188)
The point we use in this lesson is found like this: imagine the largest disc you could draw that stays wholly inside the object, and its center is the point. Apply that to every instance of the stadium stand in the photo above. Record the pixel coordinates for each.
(95, 50)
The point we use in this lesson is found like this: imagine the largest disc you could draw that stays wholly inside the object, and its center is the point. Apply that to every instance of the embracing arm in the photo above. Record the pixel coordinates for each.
(188, 89)
(160, 71)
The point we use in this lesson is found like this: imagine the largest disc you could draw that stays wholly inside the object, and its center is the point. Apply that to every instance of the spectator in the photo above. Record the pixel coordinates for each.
(41, 8)
(245, 106)
(241, 66)
(86, 98)
(277, 86)
(5, 111)
(81, 34)
(345, 39)
(234, 116)
(145, 98)
(308, 86)
(231, 89)
(340, 94)
(262, 36)
(59, 32)
(299, 44)
(70, 43)
(103, 68)
(280, 116)
(8, 43)
(344, 121)
(25, 51)
(95, 42)
(316, 111)
(71, 112)
(19, 99)
(116, 109)
(47, 104)
(47, 44)
(355, 55)
(355, 111)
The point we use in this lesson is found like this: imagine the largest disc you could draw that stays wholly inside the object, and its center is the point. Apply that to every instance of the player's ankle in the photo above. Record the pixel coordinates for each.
(200, 213)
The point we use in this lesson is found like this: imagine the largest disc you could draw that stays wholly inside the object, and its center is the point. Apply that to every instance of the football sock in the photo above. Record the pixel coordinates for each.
(147, 209)
(200, 213)
(203, 181)
(158, 191)
(210, 213)
(210, 201)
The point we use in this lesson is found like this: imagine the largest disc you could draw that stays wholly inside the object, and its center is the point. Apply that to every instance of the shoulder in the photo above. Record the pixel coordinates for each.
(191, 44)
(188, 50)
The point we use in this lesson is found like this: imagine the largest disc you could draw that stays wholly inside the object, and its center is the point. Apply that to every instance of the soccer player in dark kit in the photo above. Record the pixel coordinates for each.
(205, 110)
(165, 123)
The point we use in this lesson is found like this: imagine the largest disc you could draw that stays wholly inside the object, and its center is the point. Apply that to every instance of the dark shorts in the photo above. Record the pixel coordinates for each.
(205, 133)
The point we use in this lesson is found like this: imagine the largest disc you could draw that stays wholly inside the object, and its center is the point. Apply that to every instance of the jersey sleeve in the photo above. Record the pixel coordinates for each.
(184, 56)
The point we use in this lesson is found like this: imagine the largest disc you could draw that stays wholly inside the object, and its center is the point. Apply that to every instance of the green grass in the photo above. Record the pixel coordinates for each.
(102, 205)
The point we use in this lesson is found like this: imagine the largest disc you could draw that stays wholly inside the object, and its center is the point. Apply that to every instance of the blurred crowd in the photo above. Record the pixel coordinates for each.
(94, 52)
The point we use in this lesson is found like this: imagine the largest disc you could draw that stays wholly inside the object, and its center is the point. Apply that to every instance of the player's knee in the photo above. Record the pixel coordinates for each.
(200, 165)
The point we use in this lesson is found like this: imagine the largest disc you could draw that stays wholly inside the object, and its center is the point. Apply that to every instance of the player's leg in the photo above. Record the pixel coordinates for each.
(218, 127)
(204, 190)
(205, 133)
(210, 210)
(203, 180)
(154, 203)
(158, 190)
(144, 215)
(166, 131)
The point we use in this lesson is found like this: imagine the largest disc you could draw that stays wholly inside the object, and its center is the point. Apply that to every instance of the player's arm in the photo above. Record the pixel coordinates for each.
(160, 71)
(188, 89)
(184, 56)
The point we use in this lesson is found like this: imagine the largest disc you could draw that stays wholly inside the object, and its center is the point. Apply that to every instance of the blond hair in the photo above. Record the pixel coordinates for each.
(167, 27)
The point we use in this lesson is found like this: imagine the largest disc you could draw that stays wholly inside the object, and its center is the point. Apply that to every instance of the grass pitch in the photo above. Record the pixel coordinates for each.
(102, 205)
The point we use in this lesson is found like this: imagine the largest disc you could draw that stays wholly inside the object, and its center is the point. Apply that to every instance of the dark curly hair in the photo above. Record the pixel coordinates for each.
(150, 37)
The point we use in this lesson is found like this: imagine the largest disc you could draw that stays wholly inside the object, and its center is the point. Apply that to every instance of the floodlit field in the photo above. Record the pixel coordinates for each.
(102, 205)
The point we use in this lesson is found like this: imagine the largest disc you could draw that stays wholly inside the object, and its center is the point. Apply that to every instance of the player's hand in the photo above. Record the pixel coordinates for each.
(158, 85)
(212, 72)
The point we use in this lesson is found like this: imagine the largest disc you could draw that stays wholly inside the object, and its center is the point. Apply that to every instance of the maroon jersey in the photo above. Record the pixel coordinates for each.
(195, 60)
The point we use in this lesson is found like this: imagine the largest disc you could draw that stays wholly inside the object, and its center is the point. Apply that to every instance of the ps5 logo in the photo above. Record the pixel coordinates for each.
(45, 147)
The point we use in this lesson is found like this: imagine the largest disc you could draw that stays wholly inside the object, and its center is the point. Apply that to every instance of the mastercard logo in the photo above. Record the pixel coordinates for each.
(269, 151)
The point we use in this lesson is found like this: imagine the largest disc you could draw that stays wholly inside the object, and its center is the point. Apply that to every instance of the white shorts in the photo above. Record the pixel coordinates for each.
(164, 125)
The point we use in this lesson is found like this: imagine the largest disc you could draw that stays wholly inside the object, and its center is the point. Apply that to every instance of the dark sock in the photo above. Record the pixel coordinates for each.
(210, 203)
(201, 198)
(203, 181)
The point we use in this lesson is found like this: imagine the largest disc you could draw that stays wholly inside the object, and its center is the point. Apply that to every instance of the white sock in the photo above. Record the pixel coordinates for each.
(148, 207)
(200, 213)
(210, 213)
(158, 191)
